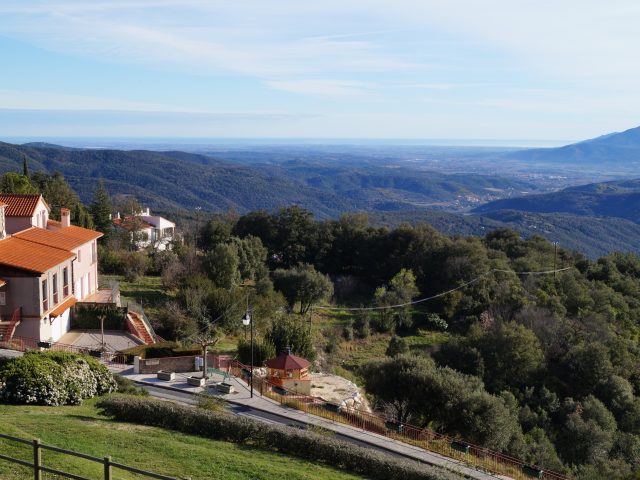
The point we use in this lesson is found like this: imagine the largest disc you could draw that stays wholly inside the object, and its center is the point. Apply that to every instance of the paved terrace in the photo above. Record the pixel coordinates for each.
(264, 404)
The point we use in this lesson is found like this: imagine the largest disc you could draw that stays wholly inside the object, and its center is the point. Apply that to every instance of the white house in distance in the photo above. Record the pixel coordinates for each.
(150, 230)
(45, 268)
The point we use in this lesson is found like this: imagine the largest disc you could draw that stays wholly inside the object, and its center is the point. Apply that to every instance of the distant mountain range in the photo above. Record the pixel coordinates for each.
(179, 181)
(617, 149)
(593, 219)
(610, 199)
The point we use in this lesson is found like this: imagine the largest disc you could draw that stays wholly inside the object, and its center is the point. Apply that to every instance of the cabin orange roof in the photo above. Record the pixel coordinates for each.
(286, 361)
(20, 205)
(65, 239)
(54, 223)
(24, 255)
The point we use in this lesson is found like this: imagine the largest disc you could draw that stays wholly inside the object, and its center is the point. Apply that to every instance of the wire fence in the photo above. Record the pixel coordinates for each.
(474, 456)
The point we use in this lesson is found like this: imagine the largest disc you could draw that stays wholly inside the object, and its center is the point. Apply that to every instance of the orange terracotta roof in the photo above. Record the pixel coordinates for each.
(56, 238)
(287, 362)
(60, 309)
(80, 233)
(54, 223)
(128, 223)
(20, 205)
(30, 256)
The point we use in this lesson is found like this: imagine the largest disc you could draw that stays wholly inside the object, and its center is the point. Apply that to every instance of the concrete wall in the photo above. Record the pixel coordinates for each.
(85, 270)
(21, 291)
(17, 224)
(173, 364)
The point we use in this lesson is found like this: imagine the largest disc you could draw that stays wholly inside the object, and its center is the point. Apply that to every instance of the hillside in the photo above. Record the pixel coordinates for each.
(620, 149)
(174, 181)
(592, 236)
(610, 199)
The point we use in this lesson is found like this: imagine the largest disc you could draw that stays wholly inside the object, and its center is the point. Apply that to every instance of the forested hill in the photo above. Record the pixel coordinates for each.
(183, 181)
(620, 149)
(611, 199)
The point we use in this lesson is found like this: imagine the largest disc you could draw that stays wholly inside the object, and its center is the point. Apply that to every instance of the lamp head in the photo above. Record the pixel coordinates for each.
(246, 320)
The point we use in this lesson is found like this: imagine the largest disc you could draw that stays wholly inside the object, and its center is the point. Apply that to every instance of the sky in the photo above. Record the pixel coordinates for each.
(423, 69)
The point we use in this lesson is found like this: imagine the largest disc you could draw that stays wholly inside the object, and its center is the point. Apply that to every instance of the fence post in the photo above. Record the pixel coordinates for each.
(37, 460)
(107, 468)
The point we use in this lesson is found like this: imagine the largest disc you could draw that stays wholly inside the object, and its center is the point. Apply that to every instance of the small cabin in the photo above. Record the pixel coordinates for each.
(290, 373)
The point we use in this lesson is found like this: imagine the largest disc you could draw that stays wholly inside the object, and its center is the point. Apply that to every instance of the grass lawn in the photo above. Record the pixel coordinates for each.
(82, 429)
(146, 291)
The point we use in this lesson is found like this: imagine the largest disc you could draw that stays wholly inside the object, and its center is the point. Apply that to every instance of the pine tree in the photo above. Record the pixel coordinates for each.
(101, 210)
(25, 166)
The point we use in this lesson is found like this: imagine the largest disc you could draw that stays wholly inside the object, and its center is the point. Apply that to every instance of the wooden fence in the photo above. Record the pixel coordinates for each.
(36, 463)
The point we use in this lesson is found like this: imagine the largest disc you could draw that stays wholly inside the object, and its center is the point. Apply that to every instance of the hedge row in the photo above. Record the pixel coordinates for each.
(283, 439)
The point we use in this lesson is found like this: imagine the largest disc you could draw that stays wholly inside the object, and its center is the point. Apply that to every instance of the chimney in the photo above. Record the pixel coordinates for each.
(65, 217)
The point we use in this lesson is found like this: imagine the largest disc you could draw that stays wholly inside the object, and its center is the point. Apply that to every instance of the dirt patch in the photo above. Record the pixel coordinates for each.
(336, 389)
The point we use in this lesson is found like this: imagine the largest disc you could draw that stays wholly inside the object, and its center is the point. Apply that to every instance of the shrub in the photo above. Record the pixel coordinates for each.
(280, 438)
(54, 378)
(263, 350)
(128, 387)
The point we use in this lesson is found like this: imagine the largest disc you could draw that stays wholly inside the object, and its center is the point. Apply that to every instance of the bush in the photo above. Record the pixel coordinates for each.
(128, 387)
(280, 438)
(54, 378)
(262, 351)
(161, 350)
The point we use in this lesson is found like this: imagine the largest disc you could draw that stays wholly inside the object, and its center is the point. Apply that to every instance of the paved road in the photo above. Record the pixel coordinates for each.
(265, 409)
(248, 412)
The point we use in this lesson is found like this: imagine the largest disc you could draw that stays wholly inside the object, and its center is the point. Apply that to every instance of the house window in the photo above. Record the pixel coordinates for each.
(65, 281)
(55, 288)
(45, 296)
(79, 255)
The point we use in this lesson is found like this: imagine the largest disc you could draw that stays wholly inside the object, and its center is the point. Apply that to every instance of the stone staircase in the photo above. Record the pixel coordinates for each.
(8, 327)
(140, 328)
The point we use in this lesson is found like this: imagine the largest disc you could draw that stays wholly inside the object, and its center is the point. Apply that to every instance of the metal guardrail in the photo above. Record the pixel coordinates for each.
(38, 468)
(475, 456)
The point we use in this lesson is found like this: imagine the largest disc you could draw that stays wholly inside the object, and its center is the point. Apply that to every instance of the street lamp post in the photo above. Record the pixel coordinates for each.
(247, 321)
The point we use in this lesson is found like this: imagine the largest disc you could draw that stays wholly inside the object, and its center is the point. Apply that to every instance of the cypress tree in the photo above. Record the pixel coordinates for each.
(101, 210)
(25, 166)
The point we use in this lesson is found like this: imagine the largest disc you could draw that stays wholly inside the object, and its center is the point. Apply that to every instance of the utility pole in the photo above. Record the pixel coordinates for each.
(555, 259)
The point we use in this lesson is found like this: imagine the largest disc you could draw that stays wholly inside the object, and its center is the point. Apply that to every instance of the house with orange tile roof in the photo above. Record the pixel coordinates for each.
(23, 211)
(45, 268)
(147, 230)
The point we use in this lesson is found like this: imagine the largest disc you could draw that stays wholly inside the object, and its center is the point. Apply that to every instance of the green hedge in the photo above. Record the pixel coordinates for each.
(87, 317)
(162, 349)
(283, 439)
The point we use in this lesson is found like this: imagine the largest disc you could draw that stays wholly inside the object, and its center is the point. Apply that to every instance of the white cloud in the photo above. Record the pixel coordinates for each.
(334, 88)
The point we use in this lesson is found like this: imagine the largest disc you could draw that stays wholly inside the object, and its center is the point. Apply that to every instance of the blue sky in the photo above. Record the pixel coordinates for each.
(458, 69)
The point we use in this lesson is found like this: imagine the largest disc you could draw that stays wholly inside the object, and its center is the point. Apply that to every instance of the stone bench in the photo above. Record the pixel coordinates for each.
(196, 381)
(162, 375)
(223, 387)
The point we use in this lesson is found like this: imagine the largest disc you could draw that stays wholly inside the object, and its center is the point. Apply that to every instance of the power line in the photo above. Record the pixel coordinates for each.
(442, 294)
